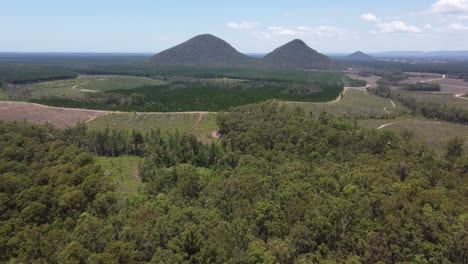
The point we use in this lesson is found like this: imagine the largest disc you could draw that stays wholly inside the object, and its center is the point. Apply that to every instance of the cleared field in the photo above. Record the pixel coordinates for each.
(86, 84)
(429, 131)
(448, 85)
(58, 117)
(371, 80)
(200, 124)
(355, 102)
(456, 86)
(448, 99)
(123, 172)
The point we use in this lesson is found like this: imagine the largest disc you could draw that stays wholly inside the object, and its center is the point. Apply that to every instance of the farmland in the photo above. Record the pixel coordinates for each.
(78, 87)
(58, 117)
(444, 99)
(199, 124)
(447, 84)
(355, 102)
(427, 131)
(194, 94)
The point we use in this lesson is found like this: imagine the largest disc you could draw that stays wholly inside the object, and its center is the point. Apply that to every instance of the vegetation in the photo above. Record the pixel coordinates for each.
(203, 95)
(203, 50)
(124, 173)
(201, 125)
(392, 78)
(354, 103)
(279, 188)
(450, 67)
(297, 55)
(422, 87)
(427, 109)
(3, 93)
(438, 98)
(80, 87)
(51, 194)
(22, 74)
(427, 131)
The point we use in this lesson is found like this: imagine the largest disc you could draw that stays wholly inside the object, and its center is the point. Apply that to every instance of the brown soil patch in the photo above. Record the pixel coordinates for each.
(40, 114)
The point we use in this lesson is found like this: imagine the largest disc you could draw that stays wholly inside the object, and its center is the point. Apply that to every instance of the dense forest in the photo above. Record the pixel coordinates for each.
(422, 87)
(427, 109)
(279, 187)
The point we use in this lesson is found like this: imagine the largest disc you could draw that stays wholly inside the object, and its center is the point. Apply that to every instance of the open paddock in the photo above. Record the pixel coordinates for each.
(40, 114)
(432, 132)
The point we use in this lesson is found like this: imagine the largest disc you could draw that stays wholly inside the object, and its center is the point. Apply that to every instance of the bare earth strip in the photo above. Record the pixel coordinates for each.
(36, 113)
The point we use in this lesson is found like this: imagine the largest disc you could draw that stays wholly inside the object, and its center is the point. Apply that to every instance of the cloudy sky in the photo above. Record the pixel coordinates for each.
(250, 26)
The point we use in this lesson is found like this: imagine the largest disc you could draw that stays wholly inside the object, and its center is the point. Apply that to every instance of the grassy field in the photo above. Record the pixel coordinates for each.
(124, 173)
(429, 131)
(3, 94)
(84, 84)
(354, 103)
(60, 118)
(169, 122)
(447, 99)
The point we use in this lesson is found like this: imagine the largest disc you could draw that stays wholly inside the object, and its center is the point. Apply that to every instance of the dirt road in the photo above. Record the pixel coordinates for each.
(394, 123)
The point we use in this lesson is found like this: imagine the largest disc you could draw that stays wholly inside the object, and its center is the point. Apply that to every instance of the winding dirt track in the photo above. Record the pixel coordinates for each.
(394, 123)
(461, 96)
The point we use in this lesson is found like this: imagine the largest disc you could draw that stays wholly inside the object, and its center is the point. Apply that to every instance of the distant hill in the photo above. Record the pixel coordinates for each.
(207, 50)
(462, 54)
(359, 56)
(203, 50)
(297, 55)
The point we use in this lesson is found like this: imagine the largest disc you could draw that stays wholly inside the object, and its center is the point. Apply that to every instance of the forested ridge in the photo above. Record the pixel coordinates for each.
(279, 187)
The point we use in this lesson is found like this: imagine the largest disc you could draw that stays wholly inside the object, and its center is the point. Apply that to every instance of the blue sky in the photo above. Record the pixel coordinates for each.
(249, 25)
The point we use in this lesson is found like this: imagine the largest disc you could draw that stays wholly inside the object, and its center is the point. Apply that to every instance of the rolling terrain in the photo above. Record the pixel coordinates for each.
(297, 55)
(203, 50)
(358, 56)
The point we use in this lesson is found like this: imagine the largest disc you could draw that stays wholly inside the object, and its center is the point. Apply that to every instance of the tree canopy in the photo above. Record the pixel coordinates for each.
(279, 187)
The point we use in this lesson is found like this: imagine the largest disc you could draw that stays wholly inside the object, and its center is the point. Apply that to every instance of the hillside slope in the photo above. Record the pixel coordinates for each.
(359, 56)
(297, 55)
(203, 50)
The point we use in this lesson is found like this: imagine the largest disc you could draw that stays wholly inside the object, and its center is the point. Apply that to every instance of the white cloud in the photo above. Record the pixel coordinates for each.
(369, 18)
(327, 32)
(428, 26)
(242, 25)
(450, 7)
(280, 31)
(397, 27)
(457, 27)
(457, 9)
(310, 33)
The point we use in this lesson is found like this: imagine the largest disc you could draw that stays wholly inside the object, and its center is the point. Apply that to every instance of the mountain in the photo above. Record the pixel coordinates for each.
(203, 50)
(359, 56)
(297, 55)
